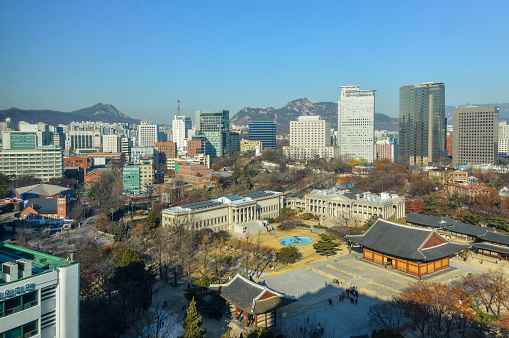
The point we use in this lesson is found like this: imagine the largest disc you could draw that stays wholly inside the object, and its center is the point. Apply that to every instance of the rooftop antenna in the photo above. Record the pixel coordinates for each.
(178, 107)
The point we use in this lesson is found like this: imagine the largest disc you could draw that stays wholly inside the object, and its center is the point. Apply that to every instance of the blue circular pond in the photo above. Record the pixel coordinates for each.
(295, 241)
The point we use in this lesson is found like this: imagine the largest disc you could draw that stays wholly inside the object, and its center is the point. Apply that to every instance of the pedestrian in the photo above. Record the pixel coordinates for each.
(330, 302)
(325, 283)
(308, 319)
(322, 331)
(355, 300)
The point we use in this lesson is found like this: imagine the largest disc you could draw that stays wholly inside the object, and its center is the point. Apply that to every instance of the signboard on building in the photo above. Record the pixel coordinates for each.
(9, 293)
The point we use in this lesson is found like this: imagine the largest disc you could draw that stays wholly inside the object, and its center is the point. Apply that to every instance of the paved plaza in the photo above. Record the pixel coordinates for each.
(375, 284)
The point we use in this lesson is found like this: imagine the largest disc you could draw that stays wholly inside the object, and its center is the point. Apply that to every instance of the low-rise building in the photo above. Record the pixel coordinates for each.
(447, 226)
(225, 212)
(39, 294)
(411, 250)
(449, 175)
(45, 208)
(191, 173)
(43, 163)
(250, 145)
(42, 191)
(356, 205)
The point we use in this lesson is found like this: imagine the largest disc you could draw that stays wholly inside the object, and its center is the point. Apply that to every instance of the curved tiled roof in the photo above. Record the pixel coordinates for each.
(249, 296)
(495, 238)
(404, 241)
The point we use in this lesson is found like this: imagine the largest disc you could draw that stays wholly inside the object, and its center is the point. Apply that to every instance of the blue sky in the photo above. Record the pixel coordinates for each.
(141, 56)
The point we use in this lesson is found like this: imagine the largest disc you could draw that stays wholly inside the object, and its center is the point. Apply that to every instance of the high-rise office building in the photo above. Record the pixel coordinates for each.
(111, 144)
(421, 122)
(234, 142)
(263, 131)
(475, 135)
(147, 134)
(214, 126)
(180, 128)
(356, 123)
(310, 138)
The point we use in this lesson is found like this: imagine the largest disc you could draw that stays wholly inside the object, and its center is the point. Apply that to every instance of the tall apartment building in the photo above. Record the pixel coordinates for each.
(39, 294)
(111, 144)
(147, 134)
(475, 135)
(214, 126)
(263, 131)
(310, 138)
(234, 142)
(180, 127)
(422, 124)
(43, 162)
(356, 123)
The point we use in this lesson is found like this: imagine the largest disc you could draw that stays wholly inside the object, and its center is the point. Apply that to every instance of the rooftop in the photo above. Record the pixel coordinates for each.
(405, 241)
(41, 189)
(41, 262)
(232, 199)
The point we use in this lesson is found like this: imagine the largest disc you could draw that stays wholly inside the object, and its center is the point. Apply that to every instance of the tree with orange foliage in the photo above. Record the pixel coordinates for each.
(488, 198)
(490, 289)
(413, 206)
(435, 308)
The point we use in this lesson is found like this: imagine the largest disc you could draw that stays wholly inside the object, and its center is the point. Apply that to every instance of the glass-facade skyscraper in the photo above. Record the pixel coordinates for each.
(422, 125)
(263, 131)
(214, 125)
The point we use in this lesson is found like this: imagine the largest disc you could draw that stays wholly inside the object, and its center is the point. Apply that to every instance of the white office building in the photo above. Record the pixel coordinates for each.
(180, 129)
(111, 144)
(147, 134)
(309, 138)
(356, 123)
(42, 163)
(39, 294)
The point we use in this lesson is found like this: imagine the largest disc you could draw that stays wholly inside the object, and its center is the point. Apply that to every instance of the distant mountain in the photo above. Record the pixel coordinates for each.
(99, 112)
(503, 110)
(302, 107)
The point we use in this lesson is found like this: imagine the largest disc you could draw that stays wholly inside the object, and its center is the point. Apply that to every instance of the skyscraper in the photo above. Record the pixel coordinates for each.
(180, 127)
(356, 123)
(475, 138)
(421, 122)
(214, 126)
(263, 131)
(310, 138)
(147, 134)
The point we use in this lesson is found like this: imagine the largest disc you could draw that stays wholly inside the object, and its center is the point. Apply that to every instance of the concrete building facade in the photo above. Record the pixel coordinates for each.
(357, 205)
(356, 123)
(147, 134)
(39, 294)
(225, 212)
(43, 163)
(475, 135)
(309, 138)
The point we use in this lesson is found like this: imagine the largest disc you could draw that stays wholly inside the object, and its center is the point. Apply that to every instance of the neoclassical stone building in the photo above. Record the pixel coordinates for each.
(225, 212)
(355, 205)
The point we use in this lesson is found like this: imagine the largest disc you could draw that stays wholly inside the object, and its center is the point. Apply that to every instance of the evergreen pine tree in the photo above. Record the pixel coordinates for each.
(192, 323)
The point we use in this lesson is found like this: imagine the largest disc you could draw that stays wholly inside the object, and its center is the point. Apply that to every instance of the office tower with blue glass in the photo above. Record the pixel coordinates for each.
(263, 131)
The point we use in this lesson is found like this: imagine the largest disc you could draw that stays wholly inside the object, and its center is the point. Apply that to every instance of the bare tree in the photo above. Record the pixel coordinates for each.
(386, 315)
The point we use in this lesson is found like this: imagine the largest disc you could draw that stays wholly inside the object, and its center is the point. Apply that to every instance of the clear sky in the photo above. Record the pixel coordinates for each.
(141, 56)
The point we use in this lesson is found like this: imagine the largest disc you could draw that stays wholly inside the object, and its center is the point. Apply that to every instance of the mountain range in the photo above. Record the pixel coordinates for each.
(281, 116)
(292, 110)
(99, 112)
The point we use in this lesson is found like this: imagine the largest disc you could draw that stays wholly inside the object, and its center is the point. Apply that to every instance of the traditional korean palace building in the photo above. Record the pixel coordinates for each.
(412, 250)
(226, 212)
(447, 226)
(493, 245)
(358, 204)
(251, 304)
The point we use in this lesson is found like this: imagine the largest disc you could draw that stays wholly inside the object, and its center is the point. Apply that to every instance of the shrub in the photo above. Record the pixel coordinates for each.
(303, 225)
(289, 255)
(286, 225)
(318, 226)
